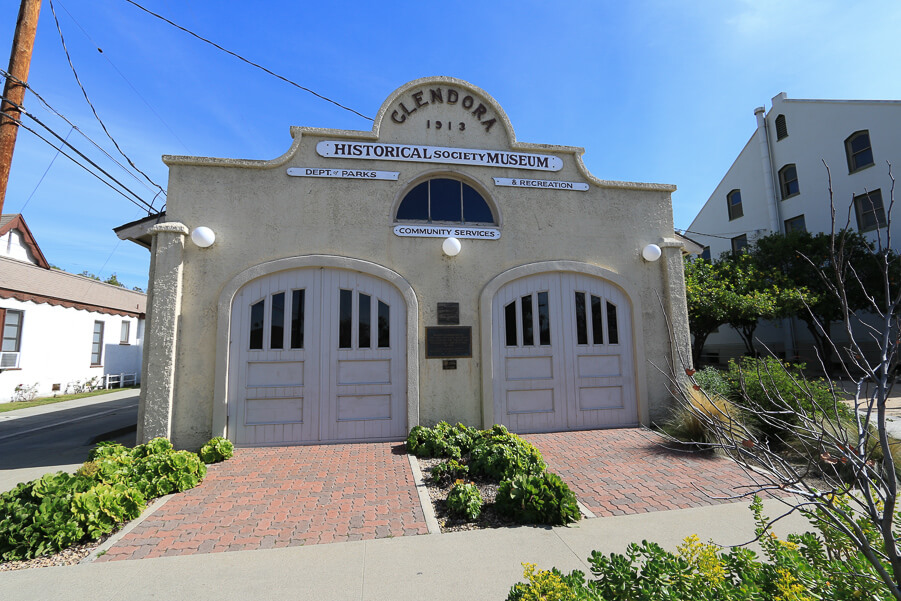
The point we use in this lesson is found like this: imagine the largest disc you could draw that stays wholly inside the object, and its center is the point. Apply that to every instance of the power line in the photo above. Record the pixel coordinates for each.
(141, 203)
(86, 136)
(99, 120)
(122, 75)
(46, 171)
(249, 62)
(81, 154)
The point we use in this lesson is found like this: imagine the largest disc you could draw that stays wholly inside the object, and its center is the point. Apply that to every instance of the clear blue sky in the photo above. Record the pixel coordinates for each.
(654, 90)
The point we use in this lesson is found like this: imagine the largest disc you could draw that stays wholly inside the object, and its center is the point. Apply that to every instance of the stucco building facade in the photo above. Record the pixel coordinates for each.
(434, 268)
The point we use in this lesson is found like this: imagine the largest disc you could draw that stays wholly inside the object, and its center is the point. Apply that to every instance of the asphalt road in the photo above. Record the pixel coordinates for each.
(59, 437)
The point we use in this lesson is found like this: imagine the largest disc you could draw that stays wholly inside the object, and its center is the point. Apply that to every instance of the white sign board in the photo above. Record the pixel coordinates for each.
(539, 183)
(342, 173)
(447, 231)
(438, 154)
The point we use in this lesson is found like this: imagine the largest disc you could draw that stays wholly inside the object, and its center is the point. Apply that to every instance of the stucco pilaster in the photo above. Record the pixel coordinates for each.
(675, 304)
(163, 310)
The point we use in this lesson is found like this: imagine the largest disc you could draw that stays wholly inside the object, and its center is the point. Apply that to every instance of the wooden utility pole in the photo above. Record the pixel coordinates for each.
(13, 90)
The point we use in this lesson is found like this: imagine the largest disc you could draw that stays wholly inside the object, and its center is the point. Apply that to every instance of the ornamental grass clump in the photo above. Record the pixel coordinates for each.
(703, 418)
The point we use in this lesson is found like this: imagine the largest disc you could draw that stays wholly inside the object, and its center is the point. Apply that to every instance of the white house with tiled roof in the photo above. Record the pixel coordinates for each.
(59, 328)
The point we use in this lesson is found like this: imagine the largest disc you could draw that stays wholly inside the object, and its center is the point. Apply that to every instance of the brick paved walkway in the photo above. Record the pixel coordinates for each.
(620, 472)
(279, 497)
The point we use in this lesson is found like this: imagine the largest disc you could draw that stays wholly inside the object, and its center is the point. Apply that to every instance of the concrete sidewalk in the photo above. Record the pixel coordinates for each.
(460, 566)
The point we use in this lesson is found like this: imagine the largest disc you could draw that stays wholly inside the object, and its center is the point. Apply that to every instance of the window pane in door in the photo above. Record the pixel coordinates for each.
(256, 325)
(510, 323)
(544, 320)
(597, 320)
(345, 318)
(612, 332)
(297, 309)
(364, 321)
(527, 338)
(277, 323)
(384, 325)
(581, 319)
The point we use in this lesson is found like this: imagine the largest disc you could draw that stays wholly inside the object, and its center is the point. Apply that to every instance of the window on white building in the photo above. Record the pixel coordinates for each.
(870, 211)
(12, 338)
(788, 181)
(97, 344)
(781, 129)
(795, 224)
(126, 332)
(445, 200)
(859, 151)
(733, 202)
(739, 242)
(705, 254)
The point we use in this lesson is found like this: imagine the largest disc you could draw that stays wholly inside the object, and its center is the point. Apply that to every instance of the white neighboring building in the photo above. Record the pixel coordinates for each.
(779, 183)
(59, 328)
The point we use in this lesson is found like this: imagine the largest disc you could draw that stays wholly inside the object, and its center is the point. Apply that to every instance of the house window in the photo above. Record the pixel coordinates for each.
(788, 181)
(126, 331)
(859, 151)
(870, 212)
(739, 242)
(12, 338)
(705, 254)
(795, 224)
(445, 200)
(97, 344)
(781, 128)
(733, 201)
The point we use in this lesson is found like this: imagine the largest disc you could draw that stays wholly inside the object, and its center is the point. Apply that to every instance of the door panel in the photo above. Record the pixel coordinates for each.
(317, 355)
(563, 354)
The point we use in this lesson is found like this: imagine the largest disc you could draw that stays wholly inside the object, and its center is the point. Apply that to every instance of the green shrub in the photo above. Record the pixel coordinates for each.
(448, 471)
(551, 585)
(713, 381)
(499, 454)
(822, 565)
(216, 450)
(58, 510)
(465, 500)
(443, 440)
(780, 390)
(537, 499)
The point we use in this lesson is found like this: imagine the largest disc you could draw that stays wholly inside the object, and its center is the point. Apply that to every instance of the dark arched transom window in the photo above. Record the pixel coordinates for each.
(444, 200)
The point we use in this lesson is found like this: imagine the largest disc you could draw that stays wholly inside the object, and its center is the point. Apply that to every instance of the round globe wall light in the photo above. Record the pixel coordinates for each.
(651, 253)
(203, 237)
(451, 247)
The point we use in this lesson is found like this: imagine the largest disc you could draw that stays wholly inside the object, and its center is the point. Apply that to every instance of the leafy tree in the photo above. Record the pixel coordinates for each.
(707, 295)
(758, 293)
(818, 262)
(734, 291)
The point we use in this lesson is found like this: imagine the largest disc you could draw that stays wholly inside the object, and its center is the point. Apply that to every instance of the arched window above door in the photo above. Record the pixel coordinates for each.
(445, 200)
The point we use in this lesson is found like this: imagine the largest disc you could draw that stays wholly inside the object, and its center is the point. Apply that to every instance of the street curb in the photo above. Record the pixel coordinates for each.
(585, 511)
(424, 501)
(115, 538)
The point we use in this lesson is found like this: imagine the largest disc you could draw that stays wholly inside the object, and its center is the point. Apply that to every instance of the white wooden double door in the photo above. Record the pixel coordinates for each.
(563, 354)
(317, 355)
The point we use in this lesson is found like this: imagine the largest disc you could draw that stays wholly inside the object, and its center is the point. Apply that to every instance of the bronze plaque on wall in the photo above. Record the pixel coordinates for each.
(448, 314)
(448, 341)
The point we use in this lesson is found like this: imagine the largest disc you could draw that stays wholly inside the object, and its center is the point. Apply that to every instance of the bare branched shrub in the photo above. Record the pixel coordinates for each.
(846, 477)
